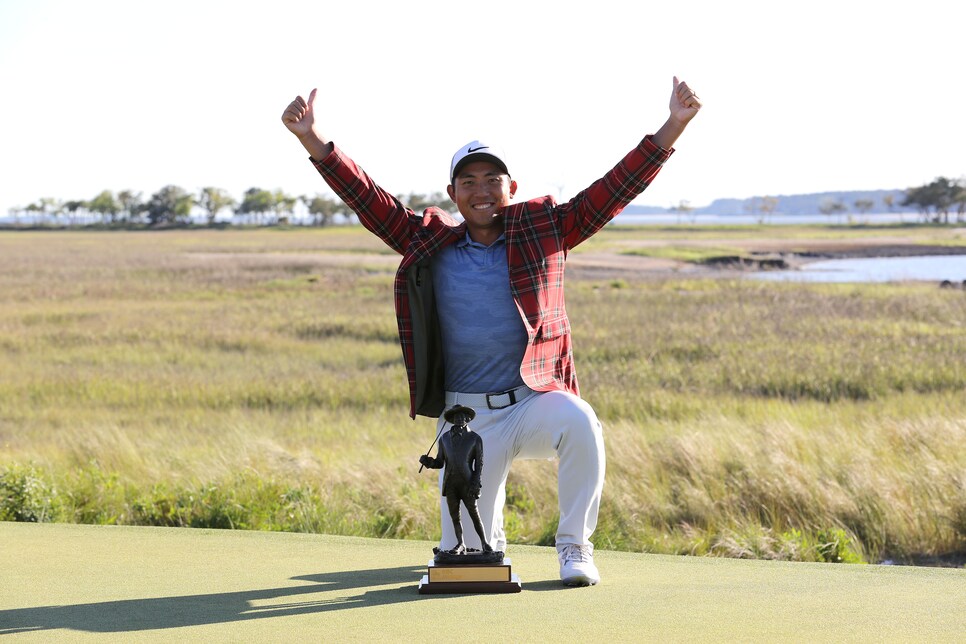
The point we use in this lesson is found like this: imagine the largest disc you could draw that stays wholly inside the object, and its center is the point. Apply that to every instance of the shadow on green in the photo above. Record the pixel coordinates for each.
(195, 610)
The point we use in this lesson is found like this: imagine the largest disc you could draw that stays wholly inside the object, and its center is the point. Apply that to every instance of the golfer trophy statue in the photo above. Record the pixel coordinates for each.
(463, 570)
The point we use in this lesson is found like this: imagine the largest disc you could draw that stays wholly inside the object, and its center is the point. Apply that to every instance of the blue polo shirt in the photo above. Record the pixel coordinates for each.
(484, 338)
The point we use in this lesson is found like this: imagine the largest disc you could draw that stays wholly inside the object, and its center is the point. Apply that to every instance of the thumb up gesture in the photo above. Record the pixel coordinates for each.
(299, 118)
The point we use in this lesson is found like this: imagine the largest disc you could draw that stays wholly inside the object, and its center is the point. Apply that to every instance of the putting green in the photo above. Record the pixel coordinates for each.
(67, 582)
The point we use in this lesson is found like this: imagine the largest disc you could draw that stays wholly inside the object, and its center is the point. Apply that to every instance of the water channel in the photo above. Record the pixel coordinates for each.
(933, 268)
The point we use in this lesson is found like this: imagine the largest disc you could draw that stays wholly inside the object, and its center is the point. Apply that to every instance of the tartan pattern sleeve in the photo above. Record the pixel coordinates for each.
(591, 209)
(378, 210)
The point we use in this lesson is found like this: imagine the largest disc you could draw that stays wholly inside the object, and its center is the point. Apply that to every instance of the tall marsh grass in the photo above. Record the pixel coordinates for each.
(252, 379)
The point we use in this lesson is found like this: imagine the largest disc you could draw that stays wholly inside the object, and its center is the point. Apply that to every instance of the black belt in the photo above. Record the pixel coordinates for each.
(497, 400)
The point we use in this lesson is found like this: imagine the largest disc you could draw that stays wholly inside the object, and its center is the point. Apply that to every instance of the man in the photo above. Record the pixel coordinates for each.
(481, 314)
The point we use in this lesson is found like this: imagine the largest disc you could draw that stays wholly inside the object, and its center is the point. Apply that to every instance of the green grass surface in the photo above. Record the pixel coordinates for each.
(102, 583)
(252, 379)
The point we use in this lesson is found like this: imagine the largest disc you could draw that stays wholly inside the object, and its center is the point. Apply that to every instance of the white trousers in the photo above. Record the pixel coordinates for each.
(544, 425)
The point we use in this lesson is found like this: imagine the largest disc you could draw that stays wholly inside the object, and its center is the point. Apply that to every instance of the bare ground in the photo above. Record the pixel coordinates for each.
(764, 252)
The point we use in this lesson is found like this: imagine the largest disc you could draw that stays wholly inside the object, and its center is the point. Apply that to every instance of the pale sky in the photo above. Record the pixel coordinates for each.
(798, 97)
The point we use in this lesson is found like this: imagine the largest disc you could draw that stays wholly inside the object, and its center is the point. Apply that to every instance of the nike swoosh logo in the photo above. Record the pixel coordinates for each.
(482, 147)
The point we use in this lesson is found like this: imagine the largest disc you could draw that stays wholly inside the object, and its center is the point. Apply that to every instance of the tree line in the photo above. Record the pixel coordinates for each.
(174, 206)
(938, 198)
(933, 201)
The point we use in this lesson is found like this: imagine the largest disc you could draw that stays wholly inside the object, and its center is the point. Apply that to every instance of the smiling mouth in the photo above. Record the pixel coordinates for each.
(483, 206)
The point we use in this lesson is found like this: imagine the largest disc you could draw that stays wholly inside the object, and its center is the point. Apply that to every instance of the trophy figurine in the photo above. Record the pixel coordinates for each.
(460, 455)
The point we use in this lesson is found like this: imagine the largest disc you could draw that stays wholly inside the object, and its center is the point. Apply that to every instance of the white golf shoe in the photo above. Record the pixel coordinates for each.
(577, 565)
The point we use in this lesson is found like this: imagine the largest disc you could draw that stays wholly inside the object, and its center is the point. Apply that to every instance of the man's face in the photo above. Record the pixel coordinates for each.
(480, 191)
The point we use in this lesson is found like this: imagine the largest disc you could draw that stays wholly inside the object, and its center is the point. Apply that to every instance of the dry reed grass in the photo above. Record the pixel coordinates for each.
(252, 379)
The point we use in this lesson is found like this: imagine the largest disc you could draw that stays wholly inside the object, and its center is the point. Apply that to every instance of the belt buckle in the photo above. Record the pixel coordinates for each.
(511, 393)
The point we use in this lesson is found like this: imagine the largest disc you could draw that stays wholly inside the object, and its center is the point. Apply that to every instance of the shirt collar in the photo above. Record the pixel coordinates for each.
(466, 241)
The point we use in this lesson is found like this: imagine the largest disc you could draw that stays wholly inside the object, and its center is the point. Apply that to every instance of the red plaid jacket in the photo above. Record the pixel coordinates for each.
(539, 234)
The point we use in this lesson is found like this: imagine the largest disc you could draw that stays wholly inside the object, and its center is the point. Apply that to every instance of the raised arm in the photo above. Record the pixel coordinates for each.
(299, 118)
(599, 203)
(378, 210)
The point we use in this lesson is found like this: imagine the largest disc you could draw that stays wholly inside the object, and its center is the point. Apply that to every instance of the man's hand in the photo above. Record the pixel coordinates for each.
(299, 118)
(684, 102)
(684, 107)
(427, 461)
(434, 212)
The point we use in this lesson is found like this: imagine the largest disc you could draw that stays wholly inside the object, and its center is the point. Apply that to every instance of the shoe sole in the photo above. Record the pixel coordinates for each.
(577, 582)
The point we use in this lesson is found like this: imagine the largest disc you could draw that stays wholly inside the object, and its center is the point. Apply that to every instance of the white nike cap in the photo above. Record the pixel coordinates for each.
(476, 151)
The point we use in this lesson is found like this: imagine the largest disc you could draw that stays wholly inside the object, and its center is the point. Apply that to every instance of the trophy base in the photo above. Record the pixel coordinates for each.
(427, 587)
(469, 577)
